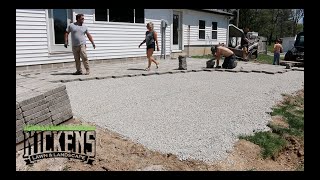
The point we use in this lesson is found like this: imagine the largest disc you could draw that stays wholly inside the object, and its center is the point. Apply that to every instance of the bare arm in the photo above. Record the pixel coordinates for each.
(218, 56)
(91, 39)
(66, 39)
(156, 40)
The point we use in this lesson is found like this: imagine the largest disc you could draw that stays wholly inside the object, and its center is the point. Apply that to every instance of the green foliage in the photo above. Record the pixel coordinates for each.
(265, 59)
(271, 143)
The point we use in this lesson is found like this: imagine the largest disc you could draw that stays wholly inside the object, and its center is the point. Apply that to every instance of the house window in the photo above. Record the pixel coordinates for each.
(202, 26)
(101, 14)
(214, 30)
(58, 20)
(120, 15)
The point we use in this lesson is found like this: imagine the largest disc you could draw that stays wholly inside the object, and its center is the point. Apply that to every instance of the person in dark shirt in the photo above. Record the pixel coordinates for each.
(245, 43)
(151, 40)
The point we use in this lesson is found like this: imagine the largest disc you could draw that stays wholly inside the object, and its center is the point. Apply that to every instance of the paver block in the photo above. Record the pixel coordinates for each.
(38, 114)
(118, 76)
(18, 111)
(21, 90)
(209, 70)
(56, 95)
(87, 78)
(220, 69)
(232, 70)
(148, 74)
(103, 77)
(269, 72)
(245, 71)
(66, 113)
(51, 89)
(159, 73)
(20, 127)
(29, 98)
(19, 122)
(48, 121)
(61, 109)
(33, 105)
(59, 99)
(17, 105)
(59, 104)
(257, 71)
(62, 119)
(174, 72)
(19, 117)
(36, 84)
(35, 110)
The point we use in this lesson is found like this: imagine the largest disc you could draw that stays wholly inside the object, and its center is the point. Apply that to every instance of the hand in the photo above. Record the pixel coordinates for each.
(94, 46)
(66, 45)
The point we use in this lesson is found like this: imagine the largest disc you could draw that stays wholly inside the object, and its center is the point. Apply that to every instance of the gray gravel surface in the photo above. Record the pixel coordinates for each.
(197, 115)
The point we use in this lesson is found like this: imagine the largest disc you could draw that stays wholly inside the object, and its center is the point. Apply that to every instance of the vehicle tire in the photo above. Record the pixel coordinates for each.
(289, 56)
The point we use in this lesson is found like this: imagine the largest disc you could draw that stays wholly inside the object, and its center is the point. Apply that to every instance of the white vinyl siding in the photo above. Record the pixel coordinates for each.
(112, 39)
(32, 39)
(192, 18)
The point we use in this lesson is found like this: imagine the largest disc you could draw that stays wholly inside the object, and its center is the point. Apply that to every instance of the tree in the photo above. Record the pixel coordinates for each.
(296, 15)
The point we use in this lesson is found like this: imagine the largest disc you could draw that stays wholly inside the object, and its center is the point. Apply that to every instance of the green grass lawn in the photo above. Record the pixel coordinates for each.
(264, 59)
(292, 110)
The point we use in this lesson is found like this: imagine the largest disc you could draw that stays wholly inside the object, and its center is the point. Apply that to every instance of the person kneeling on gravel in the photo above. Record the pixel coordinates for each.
(230, 59)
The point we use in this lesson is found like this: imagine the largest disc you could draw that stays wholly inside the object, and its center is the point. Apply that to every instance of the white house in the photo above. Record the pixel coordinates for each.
(117, 33)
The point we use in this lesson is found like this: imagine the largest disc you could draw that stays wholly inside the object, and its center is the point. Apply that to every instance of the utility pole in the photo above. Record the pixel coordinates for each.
(238, 17)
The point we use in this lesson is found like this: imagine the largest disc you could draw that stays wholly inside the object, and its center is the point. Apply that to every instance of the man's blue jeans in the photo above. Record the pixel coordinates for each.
(276, 58)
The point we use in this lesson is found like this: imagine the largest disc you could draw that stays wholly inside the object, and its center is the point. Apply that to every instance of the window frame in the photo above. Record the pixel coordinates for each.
(57, 48)
(202, 30)
(108, 18)
(212, 30)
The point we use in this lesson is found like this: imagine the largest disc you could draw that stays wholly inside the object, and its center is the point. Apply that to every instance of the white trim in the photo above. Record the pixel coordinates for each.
(182, 30)
(175, 51)
(48, 30)
(53, 49)
(179, 46)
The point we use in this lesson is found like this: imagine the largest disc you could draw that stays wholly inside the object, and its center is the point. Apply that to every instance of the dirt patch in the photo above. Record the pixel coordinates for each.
(114, 153)
(279, 121)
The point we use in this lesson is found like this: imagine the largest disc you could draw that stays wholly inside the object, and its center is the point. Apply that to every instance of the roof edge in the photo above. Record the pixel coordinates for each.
(214, 11)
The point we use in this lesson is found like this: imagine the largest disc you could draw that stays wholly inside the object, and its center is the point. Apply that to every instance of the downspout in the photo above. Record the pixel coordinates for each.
(163, 38)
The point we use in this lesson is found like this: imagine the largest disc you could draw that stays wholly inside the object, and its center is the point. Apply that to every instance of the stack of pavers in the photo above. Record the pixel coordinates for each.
(40, 103)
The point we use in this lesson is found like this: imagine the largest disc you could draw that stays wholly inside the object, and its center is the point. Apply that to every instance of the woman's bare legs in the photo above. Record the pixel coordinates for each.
(150, 58)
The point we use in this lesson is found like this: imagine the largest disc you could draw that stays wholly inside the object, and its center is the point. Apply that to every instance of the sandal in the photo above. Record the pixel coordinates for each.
(157, 66)
(147, 69)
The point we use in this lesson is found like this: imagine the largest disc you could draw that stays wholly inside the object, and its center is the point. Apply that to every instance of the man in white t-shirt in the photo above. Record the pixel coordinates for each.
(78, 32)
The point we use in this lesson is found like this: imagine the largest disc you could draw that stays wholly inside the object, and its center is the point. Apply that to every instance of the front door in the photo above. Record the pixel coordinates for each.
(59, 19)
(176, 31)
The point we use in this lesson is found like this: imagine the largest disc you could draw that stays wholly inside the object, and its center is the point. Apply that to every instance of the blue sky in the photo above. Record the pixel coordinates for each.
(300, 22)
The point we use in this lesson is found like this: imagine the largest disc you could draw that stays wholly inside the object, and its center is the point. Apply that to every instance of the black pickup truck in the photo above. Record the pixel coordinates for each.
(297, 52)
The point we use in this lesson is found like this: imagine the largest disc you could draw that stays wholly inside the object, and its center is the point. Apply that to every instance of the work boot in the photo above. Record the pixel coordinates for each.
(77, 73)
